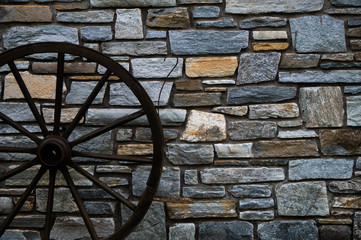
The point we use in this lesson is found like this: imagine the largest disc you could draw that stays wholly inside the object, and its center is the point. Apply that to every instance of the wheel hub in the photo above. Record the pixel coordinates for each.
(54, 151)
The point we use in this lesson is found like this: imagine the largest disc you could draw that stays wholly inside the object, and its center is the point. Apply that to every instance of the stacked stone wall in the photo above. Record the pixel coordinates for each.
(261, 110)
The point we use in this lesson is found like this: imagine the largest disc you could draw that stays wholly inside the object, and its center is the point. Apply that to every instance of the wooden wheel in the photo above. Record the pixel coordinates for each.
(55, 150)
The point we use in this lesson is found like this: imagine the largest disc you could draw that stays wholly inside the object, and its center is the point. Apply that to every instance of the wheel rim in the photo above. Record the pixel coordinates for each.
(55, 150)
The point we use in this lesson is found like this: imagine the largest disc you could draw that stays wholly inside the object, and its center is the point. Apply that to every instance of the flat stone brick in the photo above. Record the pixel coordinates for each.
(199, 1)
(190, 154)
(67, 115)
(223, 23)
(293, 60)
(19, 112)
(135, 48)
(204, 192)
(265, 46)
(290, 148)
(197, 99)
(347, 202)
(97, 16)
(355, 44)
(297, 134)
(340, 142)
(269, 35)
(240, 150)
(235, 111)
(157, 67)
(27, 13)
(96, 33)
(75, 67)
(133, 3)
(256, 215)
(251, 191)
(21, 234)
(168, 18)
(80, 91)
(345, 3)
(206, 12)
(72, 6)
(256, 203)
(129, 24)
(290, 229)
(353, 106)
(332, 76)
(189, 85)
(250, 130)
(182, 231)
(350, 186)
(135, 149)
(225, 230)
(335, 232)
(211, 66)
(266, 111)
(250, 23)
(191, 177)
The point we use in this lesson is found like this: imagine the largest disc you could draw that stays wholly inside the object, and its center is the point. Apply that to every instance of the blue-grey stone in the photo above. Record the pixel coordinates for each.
(272, 6)
(223, 23)
(320, 169)
(332, 76)
(19, 112)
(258, 67)
(198, 1)
(195, 42)
(135, 48)
(245, 130)
(225, 230)
(256, 215)
(96, 33)
(357, 225)
(190, 154)
(80, 91)
(250, 23)
(191, 177)
(204, 192)
(318, 34)
(18, 36)
(197, 99)
(256, 203)
(6, 205)
(27, 222)
(20, 235)
(145, 134)
(99, 16)
(206, 12)
(121, 95)
(243, 95)
(132, 3)
(182, 231)
(340, 65)
(169, 184)
(286, 230)
(351, 186)
(99, 194)
(20, 65)
(100, 207)
(353, 105)
(100, 144)
(153, 34)
(14, 1)
(354, 22)
(251, 191)
(346, 3)
(358, 163)
(157, 67)
(343, 11)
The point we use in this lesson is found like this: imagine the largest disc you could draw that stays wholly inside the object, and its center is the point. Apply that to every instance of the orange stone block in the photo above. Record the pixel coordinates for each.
(269, 46)
(211, 66)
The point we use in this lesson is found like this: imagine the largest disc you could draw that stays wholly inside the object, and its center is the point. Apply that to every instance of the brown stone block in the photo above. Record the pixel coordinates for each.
(168, 18)
(341, 142)
(75, 67)
(135, 149)
(358, 56)
(269, 46)
(202, 209)
(292, 148)
(72, 6)
(354, 32)
(25, 13)
(211, 66)
(355, 44)
(189, 85)
(347, 202)
(67, 115)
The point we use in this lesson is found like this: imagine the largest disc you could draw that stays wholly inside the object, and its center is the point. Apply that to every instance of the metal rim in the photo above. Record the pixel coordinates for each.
(54, 151)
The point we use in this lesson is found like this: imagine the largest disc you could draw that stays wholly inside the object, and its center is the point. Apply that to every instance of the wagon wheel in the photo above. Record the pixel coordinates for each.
(54, 151)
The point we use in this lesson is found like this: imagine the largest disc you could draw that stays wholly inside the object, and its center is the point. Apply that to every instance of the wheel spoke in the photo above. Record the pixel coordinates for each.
(28, 98)
(50, 203)
(113, 157)
(18, 170)
(21, 201)
(79, 203)
(87, 103)
(17, 150)
(19, 128)
(108, 127)
(102, 185)
(59, 93)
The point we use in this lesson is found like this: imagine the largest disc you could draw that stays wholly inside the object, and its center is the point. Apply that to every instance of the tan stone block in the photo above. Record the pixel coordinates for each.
(189, 85)
(25, 13)
(269, 35)
(135, 149)
(332, 221)
(39, 86)
(355, 44)
(72, 6)
(67, 115)
(269, 46)
(347, 202)
(211, 66)
(291, 148)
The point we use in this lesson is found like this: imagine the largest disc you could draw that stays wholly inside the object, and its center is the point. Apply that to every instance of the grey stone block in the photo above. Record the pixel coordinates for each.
(244, 130)
(353, 111)
(96, 33)
(250, 23)
(191, 177)
(97, 16)
(157, 67)
(225, 230)
(182, 231)
(80, 91)
(255, 203)
(251, 191)
(133, 3)
(20, 235)
(135, 48)
(223, 23)
(129, 24)
(204, 192)
(256, 215)
(190, 154)
(285, 230)
(346, 3)
(332, 76)
(206, 12)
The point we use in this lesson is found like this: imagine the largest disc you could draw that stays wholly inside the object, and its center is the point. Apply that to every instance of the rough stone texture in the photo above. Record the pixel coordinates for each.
(318, 34)
(74, 228)
(285, 230)
(290, 123)
(297, 134)
(152, 226)
(154, 34)
(340, 142)
(345, 3)
(354, 22)
(290, 148)
(193, 42)
(225, 230)
(199, 1)
(169, 183)
(6, 205)
(98, 16)
(339, 11)
(191, 177)
(322, 106)
(351, 186)
(244, 130)
(235, 111)
(121, 95)
(353, 107)
(135, 48)
(21, 235)
(224, 23)
(302, 199)
(332, 76)
(157, 67)
(17, 36)
(357, 226)
(29, 13)
(129, 24)
(197, 99)
(251, 191)
(257, 67)
(211, 66)
(133, 3)
(352, 90)
(96, 33)
(100, 144)
(241, 175)
(204, 127)
(258, 6)
(63, 200)
(206, 12)
(75, 67)
(250, 23)
(145, 135)
(18, 111)
(320, 169)
(347, 202)
(255, 203)
(190, 154)
(80, 91)
(240, 150)
(339, 65)
(168, 18)
(202, 209)
(242, 95)
(204, 192)
(135, 149)
(293, 60)
(182, 231)
(269, 35)
(335, 232)
(266, 111)
(266, 46)
(338, 56)
(256, 215)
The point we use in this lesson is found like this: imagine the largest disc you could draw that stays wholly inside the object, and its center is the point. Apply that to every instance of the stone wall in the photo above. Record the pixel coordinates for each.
(261, 109)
